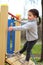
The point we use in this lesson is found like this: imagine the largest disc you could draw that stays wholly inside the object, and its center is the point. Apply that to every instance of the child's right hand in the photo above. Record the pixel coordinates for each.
(10, 28)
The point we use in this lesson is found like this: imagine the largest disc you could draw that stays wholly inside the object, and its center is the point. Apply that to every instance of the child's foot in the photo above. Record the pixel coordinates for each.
(18, 54)
(25, 63)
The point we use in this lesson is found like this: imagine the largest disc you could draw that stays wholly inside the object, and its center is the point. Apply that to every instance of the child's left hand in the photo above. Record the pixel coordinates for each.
(10, 28)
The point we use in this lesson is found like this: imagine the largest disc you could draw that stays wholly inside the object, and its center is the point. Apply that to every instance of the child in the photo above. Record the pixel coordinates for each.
(31, 32)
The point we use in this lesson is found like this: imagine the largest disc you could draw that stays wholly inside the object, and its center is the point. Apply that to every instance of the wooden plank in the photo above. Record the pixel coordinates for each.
(15, 61)
(11, 60)
(17, 38)
(18, 63)
(3, 32)
(31, 62)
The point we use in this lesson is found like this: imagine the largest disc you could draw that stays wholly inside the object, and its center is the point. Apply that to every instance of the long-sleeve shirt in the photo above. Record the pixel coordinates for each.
(30, 28)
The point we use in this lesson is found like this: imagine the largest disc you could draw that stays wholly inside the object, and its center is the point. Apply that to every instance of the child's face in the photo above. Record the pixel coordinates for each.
(31, 16)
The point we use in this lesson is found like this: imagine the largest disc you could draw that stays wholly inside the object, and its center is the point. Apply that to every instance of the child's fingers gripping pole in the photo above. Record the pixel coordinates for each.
(10, 28)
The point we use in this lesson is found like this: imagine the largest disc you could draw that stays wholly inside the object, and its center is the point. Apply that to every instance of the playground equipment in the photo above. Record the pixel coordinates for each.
(3, 39)
(12, 22)
(11, 38)
(15, 39)
(3, 32)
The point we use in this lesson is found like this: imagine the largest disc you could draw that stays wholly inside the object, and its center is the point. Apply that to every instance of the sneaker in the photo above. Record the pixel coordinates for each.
(25, 63)
(18, 54)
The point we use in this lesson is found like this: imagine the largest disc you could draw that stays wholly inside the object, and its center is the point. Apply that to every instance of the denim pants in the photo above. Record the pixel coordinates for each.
(27, 47)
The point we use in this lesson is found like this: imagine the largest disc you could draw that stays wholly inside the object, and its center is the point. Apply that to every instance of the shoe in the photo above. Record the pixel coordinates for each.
(18, 54)
(25, 63)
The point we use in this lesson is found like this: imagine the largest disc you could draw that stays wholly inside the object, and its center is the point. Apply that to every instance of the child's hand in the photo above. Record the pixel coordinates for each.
(10, 28)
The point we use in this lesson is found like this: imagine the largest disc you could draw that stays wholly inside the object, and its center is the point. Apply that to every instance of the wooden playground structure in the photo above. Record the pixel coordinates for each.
(3, 39)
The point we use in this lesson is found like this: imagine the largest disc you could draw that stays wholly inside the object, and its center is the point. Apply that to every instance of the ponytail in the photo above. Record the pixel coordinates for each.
(39, 21)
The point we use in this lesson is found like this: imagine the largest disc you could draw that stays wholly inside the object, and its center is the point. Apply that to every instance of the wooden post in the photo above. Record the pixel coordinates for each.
(3, 32)
(17, 35)
(17, 38)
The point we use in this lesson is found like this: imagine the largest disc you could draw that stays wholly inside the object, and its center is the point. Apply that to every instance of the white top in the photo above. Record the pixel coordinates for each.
(31, 30)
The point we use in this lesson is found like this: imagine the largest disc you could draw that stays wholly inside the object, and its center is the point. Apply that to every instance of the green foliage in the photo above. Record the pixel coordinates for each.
(36, 49)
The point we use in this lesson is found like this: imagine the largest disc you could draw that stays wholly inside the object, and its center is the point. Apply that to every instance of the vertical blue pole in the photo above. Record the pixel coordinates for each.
(13, 38)
(10, 50)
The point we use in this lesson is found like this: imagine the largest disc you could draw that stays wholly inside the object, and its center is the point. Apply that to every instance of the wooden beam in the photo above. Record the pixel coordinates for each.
(3, 32)
(17, 38)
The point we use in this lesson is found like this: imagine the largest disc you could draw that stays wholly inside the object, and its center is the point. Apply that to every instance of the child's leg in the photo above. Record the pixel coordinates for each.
(29, 47)
(24, 48)
(18, 54)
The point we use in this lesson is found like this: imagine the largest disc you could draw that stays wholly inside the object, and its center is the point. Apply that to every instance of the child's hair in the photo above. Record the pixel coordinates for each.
(35, 12)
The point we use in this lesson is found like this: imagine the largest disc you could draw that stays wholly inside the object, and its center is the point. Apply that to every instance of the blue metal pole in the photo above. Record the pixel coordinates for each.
(12, 34)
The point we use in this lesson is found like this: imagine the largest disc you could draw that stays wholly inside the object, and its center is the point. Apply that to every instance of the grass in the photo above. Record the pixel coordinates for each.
(36, 49)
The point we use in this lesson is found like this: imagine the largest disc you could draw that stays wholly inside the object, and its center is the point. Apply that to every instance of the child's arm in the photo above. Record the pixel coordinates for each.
(22, 21)
(20, 28)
